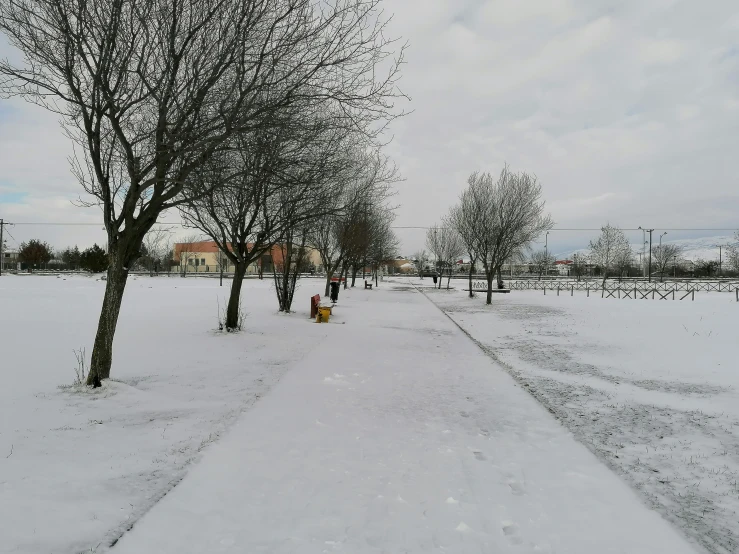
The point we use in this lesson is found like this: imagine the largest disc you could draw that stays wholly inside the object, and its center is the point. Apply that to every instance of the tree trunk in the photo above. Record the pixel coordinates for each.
(234, 299)
(354, 275)
(605, 276)
(500, 278)
(102, 351)
(470, 279)
(489, 275)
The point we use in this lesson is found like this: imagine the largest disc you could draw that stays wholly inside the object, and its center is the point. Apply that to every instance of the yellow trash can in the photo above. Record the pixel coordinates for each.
(324, 312)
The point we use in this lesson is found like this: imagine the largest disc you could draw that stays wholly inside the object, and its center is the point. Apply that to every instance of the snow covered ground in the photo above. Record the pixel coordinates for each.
(651, 387)
(399, 435)
(77, 468)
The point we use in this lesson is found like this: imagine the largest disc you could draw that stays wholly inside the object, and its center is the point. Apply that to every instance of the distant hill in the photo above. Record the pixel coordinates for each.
(705, 248)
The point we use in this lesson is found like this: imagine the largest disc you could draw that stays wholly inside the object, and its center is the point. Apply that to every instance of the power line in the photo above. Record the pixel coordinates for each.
(597, 228)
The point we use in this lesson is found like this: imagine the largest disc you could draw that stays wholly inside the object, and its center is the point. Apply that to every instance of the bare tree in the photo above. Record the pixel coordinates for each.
(158, 245)
(732, 254)
(446, 244)
(578, 264)
(151, 89)
(511, 218)
(663, 255)
(365, 184)
(384, 244)
(466, 217)
(541, 261)
(609, 250)
(420, 259)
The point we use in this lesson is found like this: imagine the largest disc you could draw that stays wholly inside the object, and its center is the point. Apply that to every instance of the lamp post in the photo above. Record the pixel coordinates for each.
(662, 258)
(650, 231)
(546, 251)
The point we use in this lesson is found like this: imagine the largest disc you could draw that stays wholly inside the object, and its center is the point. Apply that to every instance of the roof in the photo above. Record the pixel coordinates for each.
(202, 246)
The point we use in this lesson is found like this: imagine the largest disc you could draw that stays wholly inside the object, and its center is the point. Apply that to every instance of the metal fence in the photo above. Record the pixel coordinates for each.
(677, 286)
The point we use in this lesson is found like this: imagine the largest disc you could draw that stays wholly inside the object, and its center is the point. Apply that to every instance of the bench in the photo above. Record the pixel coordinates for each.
(503, 291)
(315, 301)
(367, 285)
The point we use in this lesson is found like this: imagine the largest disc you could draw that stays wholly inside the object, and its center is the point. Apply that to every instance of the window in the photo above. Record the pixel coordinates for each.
(191, 261)
(202, 261)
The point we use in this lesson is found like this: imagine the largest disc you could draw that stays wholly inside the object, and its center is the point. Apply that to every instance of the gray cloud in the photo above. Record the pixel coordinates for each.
(627, 111)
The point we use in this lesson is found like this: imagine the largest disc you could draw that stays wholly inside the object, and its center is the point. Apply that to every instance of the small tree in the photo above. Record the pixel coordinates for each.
(466, 218)
(420, 259)
(609, 250)
(94, 259)
(541, 261)
(446, 244)
(34, 253)
(732, 254)
(578, 265)
(663, 255)
(511, 217)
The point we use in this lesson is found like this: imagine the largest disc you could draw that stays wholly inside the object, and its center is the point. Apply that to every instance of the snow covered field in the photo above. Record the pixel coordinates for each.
(652, 387)
(389, 430)
(76, 468)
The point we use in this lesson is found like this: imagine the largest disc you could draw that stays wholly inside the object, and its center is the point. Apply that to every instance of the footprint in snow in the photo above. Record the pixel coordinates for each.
(510, 530)
(517, 487)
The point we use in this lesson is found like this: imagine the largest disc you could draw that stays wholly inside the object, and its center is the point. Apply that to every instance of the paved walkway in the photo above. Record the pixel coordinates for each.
(399, 435)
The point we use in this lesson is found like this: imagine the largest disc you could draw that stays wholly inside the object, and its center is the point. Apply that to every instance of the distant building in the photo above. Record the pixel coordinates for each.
(9, 259)
(206, 257)
(564, 267)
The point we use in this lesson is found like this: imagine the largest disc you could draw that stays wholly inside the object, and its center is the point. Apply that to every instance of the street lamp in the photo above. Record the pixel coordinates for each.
(650, 231)
(546, 251)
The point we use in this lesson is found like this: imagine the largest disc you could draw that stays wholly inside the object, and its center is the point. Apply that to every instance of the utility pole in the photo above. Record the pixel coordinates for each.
(2, 259)
(650, 254)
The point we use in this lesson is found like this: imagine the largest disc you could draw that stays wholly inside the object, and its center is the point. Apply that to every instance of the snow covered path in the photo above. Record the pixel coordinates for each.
(399, 436)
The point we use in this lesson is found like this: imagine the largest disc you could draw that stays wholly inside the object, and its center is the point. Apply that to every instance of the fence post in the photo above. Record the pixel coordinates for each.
(572, 292)
(673, 294)
(634, 291)
(736, 290)
(545, 290)
(588, 290)
(557, 290)
(692, 298)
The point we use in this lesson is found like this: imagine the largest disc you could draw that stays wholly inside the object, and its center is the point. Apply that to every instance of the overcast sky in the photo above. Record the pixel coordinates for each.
(627, 111)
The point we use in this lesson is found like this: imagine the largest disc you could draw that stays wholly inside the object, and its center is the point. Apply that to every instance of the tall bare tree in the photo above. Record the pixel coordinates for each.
(151, 89)
(665, 254)
(732, 254)
(511, 218)
(420, 259)
(609, 250)
(467, 220)
(446, 244)
(365, 183)
(541, 261)
(158, 245)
